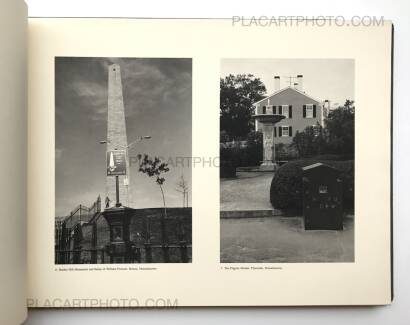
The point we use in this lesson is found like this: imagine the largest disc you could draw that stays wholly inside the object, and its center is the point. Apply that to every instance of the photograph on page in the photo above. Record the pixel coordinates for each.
(287, 160)
(123, 178)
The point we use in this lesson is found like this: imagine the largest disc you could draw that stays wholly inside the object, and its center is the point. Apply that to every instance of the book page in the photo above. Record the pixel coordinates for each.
(143, 192)
(13, 95)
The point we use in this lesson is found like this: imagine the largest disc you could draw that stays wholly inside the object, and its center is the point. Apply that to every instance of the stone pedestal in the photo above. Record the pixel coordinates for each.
(268, 122)
(120, 249)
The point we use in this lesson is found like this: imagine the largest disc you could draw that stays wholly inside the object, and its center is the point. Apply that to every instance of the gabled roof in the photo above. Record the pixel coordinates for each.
(283, 89)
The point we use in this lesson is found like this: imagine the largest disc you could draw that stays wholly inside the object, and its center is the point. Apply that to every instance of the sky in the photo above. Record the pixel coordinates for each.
(157, 99)
(331, 79)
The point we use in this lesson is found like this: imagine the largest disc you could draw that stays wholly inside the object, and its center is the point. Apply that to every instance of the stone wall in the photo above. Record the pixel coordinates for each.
(178, 226)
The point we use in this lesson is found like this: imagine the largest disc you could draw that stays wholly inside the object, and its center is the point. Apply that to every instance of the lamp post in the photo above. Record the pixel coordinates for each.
(126, 148)
(120, 248)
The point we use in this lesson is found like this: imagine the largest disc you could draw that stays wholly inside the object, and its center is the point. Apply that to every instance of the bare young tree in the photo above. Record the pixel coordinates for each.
(184, 189)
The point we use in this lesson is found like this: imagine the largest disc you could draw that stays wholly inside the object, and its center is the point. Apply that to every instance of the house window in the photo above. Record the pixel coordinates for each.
(285, 110)
(264, 110)
(309, 111)
(285, 131)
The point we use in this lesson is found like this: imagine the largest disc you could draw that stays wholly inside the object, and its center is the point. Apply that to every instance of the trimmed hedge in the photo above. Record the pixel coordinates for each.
(286, 191)
(242, 157)
(227, 169)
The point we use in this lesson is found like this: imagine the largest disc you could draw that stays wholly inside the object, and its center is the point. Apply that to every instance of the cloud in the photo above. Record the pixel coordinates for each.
(157, 100)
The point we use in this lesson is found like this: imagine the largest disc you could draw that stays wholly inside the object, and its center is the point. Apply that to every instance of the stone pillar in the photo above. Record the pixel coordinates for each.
(116, 133)
(120, 248)
(268, 145)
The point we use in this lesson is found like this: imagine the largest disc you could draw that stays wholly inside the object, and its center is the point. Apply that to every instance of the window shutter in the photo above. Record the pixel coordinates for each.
(280, 131)
(290, 111)
(274, 132)
(304, 110)
(314, 110)
(274, 110)
(290, 131)
(280, 109)
(264, 110)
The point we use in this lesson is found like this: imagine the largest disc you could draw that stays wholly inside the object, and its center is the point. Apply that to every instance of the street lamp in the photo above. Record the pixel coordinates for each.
(145, 137)
(126, 148)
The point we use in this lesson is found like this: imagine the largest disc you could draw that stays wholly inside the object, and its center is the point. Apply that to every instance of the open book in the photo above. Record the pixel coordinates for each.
(184, 162)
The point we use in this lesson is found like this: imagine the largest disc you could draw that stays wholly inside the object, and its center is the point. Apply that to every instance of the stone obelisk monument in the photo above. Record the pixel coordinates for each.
(116, 134)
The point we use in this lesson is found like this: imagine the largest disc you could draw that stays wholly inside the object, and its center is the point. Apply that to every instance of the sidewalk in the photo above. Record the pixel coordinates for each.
(283, 240)
(248, 191)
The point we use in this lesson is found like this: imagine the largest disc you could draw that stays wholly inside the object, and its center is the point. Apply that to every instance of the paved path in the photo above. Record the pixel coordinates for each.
(283, 240)
(248, 191)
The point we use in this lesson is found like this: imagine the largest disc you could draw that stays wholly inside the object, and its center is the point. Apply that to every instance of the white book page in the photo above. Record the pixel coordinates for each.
(207, 281)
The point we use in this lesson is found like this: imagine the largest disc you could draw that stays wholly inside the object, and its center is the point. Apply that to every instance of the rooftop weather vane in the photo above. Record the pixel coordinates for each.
(291, 79)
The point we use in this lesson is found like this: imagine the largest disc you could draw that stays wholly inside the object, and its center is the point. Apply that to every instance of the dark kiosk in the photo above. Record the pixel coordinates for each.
(322, 198)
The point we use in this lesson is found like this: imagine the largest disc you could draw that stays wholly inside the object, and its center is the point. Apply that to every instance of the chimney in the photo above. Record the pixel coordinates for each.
(326, 106)
(300, 83)
(277, 83)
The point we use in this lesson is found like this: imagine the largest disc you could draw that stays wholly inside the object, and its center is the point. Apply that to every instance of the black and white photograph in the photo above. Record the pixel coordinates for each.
(123, 135)
(287, 151)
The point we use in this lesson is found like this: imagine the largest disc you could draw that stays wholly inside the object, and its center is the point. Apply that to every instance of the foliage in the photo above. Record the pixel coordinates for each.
(227, 169)
(310, 142)
(239, 155)
(224, 137)
(252, 154)
(340, 129)
(237, 94)
(154, 167)
(286, 187)
(285, 152)
(337, 137)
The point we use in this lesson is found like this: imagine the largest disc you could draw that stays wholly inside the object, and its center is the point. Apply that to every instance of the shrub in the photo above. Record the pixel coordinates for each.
(329, 156)
(285, 152)
(286, 191)
(241, 155)
(227, 169)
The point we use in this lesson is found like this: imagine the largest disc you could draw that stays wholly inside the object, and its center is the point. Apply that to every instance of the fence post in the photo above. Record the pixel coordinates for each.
(94, 244)
(184, 252)
(138, 254)
(66, 254)
(165, 252)
(147, 244)
(182, 243)
(148, 252)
